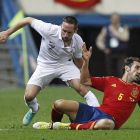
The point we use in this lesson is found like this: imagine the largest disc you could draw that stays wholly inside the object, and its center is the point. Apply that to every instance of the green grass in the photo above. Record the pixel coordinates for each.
(13, 109)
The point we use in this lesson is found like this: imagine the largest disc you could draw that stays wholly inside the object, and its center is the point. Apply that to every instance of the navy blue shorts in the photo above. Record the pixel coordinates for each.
(88, 113)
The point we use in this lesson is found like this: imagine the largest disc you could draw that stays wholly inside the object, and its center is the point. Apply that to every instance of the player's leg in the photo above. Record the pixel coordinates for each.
(30, 96)
(75, 111)
(103, 124)
(59, 108)
(78, 113)
(67, 107)
(87, 114)
(106, 124)
(41, 77)
(83, 91)
(31, 101)
(71, 75)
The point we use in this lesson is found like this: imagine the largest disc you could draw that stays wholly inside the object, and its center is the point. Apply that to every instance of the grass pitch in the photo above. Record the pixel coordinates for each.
(13, 109)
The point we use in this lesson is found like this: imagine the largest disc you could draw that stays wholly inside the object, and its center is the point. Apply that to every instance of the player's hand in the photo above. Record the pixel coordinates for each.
(3, 36)
(85, 53)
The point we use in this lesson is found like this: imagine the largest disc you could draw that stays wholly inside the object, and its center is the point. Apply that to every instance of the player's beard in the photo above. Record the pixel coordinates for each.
(137, 77)
(66, 39)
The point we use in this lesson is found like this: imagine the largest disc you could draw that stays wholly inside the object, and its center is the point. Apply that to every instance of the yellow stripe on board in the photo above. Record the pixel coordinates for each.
(25, 58)
(19, 16)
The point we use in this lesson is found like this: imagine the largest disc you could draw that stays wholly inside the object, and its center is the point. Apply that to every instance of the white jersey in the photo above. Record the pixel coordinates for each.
(52, 50)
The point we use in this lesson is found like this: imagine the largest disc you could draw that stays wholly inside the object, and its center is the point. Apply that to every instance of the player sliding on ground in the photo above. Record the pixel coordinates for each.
(60, 56)
(120, 98)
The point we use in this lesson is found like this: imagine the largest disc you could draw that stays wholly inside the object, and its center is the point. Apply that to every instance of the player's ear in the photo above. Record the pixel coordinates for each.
(127, 68)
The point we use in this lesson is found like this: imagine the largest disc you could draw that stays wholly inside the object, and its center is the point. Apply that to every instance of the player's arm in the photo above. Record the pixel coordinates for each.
(78, 62)
(85, 76)
(5, 34)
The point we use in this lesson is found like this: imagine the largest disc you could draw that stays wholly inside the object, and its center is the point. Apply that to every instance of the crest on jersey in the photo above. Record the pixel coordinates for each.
(135, 92)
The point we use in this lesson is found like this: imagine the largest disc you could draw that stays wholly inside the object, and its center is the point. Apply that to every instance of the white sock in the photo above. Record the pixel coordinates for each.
(32, 104)
(91, 99)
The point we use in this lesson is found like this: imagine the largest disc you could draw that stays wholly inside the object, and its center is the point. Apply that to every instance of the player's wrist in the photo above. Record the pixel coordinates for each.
(86, 62)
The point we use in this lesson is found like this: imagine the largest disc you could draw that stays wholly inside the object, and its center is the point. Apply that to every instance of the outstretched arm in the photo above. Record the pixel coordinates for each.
(5, 34)
(85, 76)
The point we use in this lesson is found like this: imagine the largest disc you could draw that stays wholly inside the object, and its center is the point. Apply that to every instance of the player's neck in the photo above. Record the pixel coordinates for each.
(66, 44)
(127, 79)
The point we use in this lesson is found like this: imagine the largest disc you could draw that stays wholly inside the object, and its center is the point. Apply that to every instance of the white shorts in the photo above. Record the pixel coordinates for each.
(44, 75)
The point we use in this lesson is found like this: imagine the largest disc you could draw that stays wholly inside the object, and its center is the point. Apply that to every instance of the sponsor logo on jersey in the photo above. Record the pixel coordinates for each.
(135, 92)
(113, 85)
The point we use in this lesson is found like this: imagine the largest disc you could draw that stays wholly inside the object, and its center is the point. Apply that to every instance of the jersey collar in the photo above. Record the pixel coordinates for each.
(128, 83)
(59, 32)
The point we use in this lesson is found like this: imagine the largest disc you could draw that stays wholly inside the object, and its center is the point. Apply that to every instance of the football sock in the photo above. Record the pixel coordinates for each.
(77, 126)
(56, 115)
(91, 99)
(32, 105)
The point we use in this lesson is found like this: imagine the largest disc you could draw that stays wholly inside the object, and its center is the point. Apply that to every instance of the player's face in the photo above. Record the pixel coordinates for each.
(67, 31)
(135, 71)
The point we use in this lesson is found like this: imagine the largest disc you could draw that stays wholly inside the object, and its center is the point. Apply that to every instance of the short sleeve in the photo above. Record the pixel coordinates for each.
(41, 27)
(98, 83)
(79, 43)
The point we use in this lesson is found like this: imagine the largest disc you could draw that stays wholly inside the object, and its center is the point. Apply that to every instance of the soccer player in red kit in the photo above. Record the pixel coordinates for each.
(120, 98)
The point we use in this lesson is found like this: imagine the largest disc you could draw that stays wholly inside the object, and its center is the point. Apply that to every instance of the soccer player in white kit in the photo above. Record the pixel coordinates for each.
(60, 56)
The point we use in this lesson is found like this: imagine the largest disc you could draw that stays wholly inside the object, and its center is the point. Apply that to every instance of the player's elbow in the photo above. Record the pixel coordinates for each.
(81, 82)
(85, 82)
(28, 20)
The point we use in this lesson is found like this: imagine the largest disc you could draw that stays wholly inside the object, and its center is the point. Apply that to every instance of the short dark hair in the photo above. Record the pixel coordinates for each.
(129, 62)
(71, 20)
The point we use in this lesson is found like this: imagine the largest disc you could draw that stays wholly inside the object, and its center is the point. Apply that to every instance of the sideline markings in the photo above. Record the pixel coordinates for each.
(4, 129)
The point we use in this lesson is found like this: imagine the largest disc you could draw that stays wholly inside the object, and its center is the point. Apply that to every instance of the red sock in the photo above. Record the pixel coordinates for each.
(78, 126)
(56, 115)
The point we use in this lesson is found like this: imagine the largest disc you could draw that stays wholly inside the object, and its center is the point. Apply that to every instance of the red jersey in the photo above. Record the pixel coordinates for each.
(120, 98)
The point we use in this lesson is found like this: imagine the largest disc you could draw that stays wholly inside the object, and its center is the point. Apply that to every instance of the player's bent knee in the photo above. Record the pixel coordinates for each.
(29, 96)
(59, 104)
(106, 124)
(31, 92)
